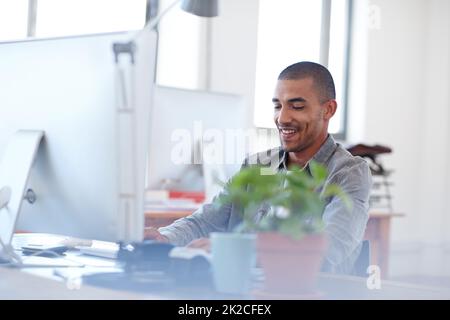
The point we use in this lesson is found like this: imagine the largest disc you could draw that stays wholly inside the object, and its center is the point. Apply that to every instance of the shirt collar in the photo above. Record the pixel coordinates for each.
(326, 150)
(322, 156)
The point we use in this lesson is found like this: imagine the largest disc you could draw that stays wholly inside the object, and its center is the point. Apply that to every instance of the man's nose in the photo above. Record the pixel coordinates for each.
(283, 116)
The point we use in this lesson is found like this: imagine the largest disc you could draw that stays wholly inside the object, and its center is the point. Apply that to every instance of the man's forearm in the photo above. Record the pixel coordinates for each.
(200, 224)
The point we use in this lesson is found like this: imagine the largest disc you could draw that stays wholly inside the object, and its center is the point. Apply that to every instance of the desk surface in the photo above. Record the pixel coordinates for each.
(348, 287)
(21, 285)
(39, 284)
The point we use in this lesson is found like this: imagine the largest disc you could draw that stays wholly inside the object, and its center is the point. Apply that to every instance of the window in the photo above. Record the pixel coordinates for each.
(52, 18)
(71, 17)
(338, 61)
(290, 31)
(180, 48)
(13, 19)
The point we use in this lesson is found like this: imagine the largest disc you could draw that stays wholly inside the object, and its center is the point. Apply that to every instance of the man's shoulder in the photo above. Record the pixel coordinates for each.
(268, 157)
(343, 162)
(343, 156)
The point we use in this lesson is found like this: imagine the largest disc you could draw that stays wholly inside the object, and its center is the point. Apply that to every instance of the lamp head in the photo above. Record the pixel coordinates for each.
(202, 8)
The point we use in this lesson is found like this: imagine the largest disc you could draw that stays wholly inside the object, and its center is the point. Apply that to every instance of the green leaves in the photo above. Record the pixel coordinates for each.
(294, 191)
(318, 171)
(292, 227)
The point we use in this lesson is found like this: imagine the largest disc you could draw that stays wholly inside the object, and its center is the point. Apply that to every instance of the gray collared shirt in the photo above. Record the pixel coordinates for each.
(344, 228)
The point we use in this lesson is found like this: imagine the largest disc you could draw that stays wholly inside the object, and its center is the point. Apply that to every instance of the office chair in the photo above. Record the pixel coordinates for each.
(363, 260)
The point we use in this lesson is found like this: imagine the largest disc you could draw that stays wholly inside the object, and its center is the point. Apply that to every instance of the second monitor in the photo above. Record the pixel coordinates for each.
(191, 130)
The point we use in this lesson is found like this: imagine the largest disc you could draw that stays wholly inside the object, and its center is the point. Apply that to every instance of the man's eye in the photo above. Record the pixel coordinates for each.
(277, 107)
(298, 107)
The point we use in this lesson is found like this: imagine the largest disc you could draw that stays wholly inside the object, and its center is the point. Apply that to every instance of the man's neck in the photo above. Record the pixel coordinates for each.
(301, 158)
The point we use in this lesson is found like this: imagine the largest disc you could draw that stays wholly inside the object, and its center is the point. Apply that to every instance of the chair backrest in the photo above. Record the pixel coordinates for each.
(363, 261)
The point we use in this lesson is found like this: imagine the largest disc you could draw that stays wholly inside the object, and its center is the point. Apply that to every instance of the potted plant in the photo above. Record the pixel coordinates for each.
(290, 239)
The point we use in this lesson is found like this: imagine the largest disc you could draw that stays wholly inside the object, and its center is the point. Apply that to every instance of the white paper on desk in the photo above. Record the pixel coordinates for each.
(172, 205)
(71, 273)
(100, 249)
(26, 239)
(36, 261)
(188, 253)
(94, 261)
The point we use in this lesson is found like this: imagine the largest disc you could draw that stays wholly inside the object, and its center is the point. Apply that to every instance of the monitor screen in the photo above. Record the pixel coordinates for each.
(89, 172)
(185, 123)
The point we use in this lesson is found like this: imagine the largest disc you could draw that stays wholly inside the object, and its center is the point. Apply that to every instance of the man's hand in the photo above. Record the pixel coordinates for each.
(202, 243)
(153, 234)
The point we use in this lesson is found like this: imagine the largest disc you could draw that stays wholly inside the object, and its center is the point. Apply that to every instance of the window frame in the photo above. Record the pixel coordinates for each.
(346, 78)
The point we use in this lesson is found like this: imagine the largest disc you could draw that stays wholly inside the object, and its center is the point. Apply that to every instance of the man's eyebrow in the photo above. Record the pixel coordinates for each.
(297, 99)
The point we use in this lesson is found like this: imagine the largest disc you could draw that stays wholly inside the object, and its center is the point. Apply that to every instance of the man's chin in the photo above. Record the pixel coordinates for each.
(290, 148)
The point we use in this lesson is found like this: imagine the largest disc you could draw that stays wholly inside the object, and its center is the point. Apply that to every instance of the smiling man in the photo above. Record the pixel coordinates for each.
(302, 110)
(304, 102)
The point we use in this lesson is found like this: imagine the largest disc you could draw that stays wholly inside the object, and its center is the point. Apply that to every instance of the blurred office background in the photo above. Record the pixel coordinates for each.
(390, 60)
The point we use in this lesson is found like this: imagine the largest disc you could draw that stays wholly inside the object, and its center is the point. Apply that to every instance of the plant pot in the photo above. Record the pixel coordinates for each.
(290, 266)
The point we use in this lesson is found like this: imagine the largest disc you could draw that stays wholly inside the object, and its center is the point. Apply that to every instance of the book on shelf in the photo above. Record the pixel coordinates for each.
(172, 200)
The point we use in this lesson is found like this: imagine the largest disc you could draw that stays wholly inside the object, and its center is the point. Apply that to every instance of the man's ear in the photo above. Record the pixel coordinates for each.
(329, 109)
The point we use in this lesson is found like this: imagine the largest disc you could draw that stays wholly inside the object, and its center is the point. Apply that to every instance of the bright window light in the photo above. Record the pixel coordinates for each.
(74, 17)
(181, 39)
(337, 60)
(13, 19)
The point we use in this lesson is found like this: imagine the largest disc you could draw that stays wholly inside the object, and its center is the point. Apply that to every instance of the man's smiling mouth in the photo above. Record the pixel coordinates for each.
(287, 133)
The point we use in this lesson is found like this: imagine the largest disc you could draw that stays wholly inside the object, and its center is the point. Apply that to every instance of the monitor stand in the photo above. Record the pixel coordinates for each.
(15, 167)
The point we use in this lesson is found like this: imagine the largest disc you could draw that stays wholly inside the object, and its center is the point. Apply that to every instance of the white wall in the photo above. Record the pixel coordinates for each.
(407, 108)
(395, 101)
(435, 158)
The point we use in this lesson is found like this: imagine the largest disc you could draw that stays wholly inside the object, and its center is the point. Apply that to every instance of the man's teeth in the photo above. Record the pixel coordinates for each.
(287, 131)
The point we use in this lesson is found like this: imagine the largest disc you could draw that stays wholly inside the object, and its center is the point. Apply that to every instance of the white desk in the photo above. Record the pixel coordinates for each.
(42, 283)
(18, 285)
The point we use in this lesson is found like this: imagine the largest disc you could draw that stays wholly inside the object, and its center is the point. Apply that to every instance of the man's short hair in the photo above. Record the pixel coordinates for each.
(323, 81)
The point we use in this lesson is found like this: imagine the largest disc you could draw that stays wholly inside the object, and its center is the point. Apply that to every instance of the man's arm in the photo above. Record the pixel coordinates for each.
(209, 218)
(345, 228)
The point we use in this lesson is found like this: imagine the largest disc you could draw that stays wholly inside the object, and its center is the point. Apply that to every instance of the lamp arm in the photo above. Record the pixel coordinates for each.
(153, 22)
(129, 47)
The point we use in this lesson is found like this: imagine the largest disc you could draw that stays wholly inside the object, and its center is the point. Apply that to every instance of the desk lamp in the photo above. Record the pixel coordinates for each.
(201, 8)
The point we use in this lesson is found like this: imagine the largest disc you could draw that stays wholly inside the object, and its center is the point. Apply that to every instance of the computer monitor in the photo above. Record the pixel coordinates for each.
(183, 123)
(89, 172)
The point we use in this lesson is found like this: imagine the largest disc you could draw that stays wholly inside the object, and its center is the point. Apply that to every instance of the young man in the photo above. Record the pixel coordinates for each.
(304, 102)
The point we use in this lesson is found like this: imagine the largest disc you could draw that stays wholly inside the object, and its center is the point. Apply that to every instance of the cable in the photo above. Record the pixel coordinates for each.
(7, 254)
(20, 263)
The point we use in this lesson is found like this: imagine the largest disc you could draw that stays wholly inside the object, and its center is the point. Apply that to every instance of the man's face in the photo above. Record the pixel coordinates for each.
(298, 113)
